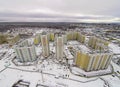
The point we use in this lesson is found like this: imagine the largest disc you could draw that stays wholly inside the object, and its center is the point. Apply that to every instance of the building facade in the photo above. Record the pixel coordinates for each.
(11, 39)
(97, 43)
(73, 35)
(24, 43)
(52, 36)
(93, 62)
(59, 48)
(96, 57)
(26, 54)
(64, 39)
(37, 39)
(45, 45)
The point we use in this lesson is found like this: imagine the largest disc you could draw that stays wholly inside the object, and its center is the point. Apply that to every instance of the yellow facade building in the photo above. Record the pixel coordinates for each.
(92, 62)
(80, 37)
(74, 35)
(37, 39)
(2, 38)
(69, 35)
(93, 58)
(52, 36)
(97, 43)
(11, 39)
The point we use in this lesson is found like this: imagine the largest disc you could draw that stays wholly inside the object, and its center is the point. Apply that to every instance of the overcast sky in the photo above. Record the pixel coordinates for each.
(60, 10)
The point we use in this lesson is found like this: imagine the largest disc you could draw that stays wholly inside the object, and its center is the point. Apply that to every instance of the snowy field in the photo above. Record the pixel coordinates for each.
(51, 73)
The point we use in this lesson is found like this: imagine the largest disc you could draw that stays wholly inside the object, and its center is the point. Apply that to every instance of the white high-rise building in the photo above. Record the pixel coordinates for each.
(26, 54)
(59, 47)
(45, 45)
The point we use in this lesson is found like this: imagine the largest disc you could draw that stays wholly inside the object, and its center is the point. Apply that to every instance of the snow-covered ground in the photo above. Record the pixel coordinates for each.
(51, 73)
(81, 72)
(115, 48)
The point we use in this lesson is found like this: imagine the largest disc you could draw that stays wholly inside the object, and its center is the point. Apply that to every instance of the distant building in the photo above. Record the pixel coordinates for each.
(80, 37)
(45, 45)
(97, 43)
(37, 39)
(69, 35)
(59, 47)
(64, 39)
(11, 39)
(2, 38)
(73, 35)
(51, 36)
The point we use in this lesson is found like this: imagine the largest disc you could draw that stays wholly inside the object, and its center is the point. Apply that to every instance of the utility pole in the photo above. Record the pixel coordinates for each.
(42, 76)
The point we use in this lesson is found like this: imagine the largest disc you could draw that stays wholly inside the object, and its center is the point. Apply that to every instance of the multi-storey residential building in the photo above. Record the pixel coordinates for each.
(91, 57)
(45, 45)
(26, 53)
(37, 39)
(59, 48)
(91, 62)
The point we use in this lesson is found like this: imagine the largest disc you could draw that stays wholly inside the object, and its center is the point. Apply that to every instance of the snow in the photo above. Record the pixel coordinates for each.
(35, 78)
(54, 69)
(68, 53)
(79, 46)
(115, 48)
(53, 73)
(81, 72)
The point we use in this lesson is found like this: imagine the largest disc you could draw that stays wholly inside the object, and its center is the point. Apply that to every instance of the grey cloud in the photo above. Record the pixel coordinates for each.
(47, 15)
(61, 10)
